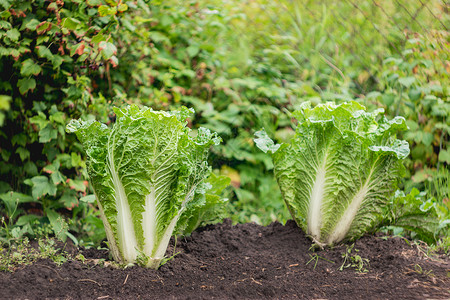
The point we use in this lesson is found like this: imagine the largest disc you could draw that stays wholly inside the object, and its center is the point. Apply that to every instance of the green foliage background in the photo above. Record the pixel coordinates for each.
(242, 65)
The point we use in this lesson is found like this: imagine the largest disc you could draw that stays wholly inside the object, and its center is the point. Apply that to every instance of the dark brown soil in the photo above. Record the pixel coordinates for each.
(244, 262)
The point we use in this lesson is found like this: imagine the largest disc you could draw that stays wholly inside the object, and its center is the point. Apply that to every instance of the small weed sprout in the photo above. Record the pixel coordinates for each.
(354, 261)
(48, 250)
(80, 257)
(418, 269)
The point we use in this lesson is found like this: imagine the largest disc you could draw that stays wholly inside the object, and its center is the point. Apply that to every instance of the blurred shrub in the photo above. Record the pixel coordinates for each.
(242, 65)
(415, 85)
(70, 59)
(52, 56)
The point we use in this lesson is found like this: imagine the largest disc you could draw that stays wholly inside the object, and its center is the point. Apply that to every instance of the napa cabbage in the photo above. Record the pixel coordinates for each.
(339, 170)
(151, 179)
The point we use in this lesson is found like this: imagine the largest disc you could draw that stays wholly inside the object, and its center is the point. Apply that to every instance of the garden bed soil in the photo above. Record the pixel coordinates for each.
(246, 261)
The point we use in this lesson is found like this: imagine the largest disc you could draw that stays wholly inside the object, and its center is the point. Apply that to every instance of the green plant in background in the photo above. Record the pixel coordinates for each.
(413, 213)
(422, 215)
(306, 56)
(50, 54)
(415, 86)
(4, 106)
(15, 254)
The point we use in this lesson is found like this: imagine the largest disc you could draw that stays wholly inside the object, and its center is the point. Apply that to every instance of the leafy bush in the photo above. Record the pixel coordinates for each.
(67, 62)
(51, 56)
(416, 215)
(415, 87)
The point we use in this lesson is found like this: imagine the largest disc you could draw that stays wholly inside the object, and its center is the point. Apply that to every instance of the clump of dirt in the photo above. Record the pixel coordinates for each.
(246, 261)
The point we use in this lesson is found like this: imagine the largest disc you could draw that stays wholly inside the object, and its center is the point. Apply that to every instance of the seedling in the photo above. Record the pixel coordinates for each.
(418, 269)
(354, 261)
(315, 257)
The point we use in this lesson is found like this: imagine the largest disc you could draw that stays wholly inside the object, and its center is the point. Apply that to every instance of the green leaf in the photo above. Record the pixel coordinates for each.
(70, 23)
(23, 153)
(13, 34)
(5, 154)
(58, 117)
(193, 50)
(111, 2)
(76, 159)
(427, 138)
(57, 61)
(14, 53)
(26, 219)
(407, 81)
(52, 6)
(114, 61)
(5, 14)
(98, 38)
(88, 199)
(4, 51)
(107, 49)
(13, 199)
(4, 105)
(411, 213)
(44, 52)
(421, 175)
(43, 27)
(122, 7)
(29, 67)
(94, 2)
(159, 37)
(57, 177)
(5, 25)
(19, 139)
(30, 168)
(26, 84)
(69, 199)
(42, 39)
(41, 187)
(265, 143)
(58, 224)
(77, 185)
(444, 156)
(47, 134)
(40, 120)
(426, 206)
(31, 25)
(388, 99)
(104, 10)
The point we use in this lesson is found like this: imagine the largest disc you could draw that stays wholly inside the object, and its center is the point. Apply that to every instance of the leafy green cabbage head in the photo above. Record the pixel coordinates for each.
(339, 169)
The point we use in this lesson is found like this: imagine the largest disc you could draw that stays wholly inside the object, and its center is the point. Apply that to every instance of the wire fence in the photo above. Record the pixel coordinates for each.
(349, 39)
